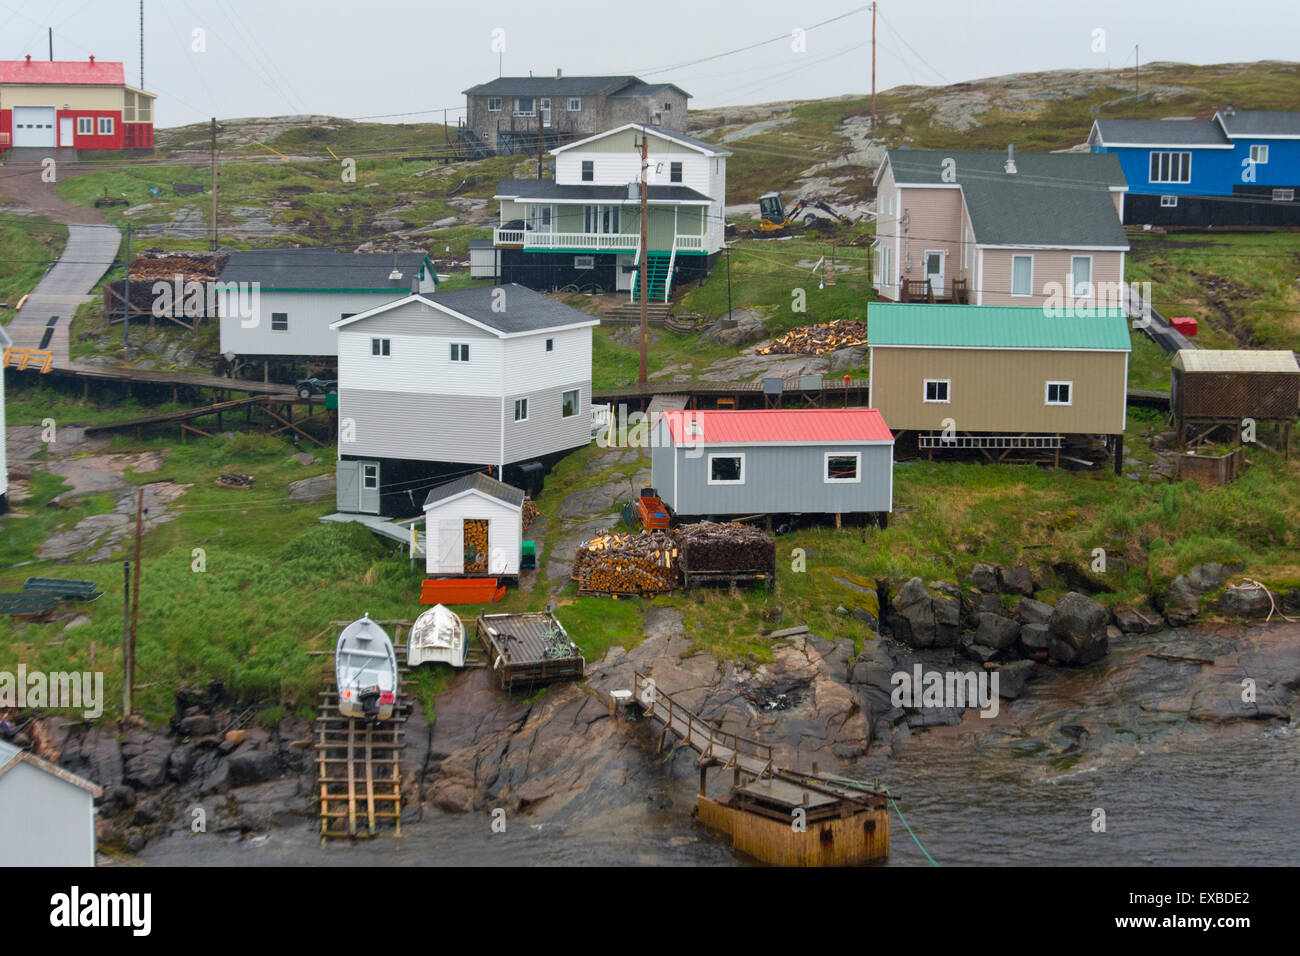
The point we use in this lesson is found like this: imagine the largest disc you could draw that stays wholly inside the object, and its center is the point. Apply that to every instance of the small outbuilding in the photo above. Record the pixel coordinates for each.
(47, 815)
(1228, 386)
(484, 259)
(773, 461)
(474, 525)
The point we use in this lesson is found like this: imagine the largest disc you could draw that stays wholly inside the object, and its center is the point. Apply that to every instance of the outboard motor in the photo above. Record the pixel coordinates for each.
(368, 697)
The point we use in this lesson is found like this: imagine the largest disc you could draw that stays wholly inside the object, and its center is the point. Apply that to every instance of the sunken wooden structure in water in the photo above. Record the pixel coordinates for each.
(778, 816)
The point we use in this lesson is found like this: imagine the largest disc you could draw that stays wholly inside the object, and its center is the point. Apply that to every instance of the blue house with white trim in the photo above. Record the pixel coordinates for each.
(1240, 168)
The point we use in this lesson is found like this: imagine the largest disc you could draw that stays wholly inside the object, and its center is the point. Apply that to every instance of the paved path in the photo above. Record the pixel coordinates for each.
(90, 251)
(43, 320)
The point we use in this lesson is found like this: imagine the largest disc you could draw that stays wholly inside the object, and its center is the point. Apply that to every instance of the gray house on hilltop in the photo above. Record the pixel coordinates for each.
(502, 115)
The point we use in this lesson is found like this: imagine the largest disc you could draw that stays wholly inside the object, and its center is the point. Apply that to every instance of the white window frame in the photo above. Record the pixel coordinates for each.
(582, 170)
(369, 476)
(1022, 295)
(532, 106)
(1166, 168)
(1074, 281)
(1168, 202)
(1047, 394)
(577, 402)
(721, 481)
(575, 104)
(947, 391)
(550, 345)
(676, 171)
(497, 101)
(1284, 195)
(285, 315)
(381, 347)
(85, 126)
(105, 126)
(584, 262)
(1260, 150)
(521, 405)
(857, 468)
(460, 351)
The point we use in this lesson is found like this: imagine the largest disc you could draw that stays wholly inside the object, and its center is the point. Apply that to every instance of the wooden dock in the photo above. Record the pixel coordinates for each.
(359, 771)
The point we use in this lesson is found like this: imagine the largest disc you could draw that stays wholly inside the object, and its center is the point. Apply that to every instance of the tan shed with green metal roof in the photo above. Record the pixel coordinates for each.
(998, 377)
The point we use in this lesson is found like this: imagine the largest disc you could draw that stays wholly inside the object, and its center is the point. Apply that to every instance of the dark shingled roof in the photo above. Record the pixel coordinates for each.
(524, 309)
(550, 189)
(1053, 199)
(1261, 122)
(477, 482)
(647, 89)
(551, 85)
(1170, 132)
(322, 269)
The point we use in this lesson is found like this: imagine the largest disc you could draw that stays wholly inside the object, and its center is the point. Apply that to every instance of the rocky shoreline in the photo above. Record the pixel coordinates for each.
(817, 701)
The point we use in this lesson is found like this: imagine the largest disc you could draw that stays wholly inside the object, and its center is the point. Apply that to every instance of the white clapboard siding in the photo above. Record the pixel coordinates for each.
(529, 367)
(420, 364)
(310, 315)
(445, 543)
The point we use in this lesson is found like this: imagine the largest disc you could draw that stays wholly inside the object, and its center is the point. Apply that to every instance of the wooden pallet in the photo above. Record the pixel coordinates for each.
(359, 771)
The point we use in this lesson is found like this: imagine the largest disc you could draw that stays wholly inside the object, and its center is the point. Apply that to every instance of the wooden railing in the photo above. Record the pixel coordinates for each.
(697, 733)
(41, 360)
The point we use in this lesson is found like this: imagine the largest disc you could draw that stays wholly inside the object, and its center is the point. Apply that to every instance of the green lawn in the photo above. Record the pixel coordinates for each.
(29, 245)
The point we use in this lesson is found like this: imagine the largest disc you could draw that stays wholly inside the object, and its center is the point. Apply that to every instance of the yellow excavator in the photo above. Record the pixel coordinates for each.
(773, 217)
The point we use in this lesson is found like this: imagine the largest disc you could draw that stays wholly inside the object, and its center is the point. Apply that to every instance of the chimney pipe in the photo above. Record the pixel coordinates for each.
(558, 73)
(1010, 164)
(92, 59)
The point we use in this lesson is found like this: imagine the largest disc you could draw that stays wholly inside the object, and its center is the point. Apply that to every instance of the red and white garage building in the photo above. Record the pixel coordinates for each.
(85, 104)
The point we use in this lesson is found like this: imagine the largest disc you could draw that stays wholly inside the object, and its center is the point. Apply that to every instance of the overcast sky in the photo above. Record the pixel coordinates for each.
(365, 58)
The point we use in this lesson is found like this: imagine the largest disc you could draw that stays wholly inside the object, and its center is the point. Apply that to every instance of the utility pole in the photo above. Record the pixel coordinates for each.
(1137, 70)
(126, 294)
(142, 44)
(727, 245)
(645, 252)
(873, 68)
(135, 591)
(539, 137)
(213, 244)
(51, 35)
(126, 639)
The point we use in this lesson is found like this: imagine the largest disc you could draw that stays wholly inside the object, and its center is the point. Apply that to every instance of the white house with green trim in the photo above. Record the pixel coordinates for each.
(293, 296)
(583, 228)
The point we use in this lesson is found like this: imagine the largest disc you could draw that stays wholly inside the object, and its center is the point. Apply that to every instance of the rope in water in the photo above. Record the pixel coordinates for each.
(909, 829)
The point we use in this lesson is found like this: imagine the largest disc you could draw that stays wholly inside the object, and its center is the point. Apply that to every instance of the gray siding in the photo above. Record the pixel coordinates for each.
(44, 821)
(782, 479)
(546, 431)
(661, 468)
(418, 319)
(421, 427)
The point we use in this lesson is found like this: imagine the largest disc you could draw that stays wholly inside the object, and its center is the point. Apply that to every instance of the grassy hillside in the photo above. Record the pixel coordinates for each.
(29, 245)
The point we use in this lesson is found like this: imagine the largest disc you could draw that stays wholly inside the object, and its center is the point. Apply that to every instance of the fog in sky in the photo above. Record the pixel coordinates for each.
(376, 58)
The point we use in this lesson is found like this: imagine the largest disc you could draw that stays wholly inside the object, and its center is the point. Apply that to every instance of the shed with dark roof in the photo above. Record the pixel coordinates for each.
(474, 526)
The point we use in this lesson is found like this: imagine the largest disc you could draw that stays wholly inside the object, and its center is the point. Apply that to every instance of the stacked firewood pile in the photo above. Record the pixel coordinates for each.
(188, 265)
(818, 339)
(620, 563)
(712, 546)
(476, 545)
(530, 512)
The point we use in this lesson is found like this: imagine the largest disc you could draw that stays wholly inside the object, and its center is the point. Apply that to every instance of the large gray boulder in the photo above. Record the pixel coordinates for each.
(985, 577)
(1018, 580)
(1077, 630)
(1013, 677)
(1245, 602)
(1034, 638)
(996, 631)
(1182, 602)
(923, 619)
(1030, 611)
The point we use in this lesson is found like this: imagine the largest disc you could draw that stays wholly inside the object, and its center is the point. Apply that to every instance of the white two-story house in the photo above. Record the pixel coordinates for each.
(494, 378)
(584, 227)
(300, 293)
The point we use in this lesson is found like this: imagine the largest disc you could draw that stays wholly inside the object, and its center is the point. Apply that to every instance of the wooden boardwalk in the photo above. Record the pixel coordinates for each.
(716, 747)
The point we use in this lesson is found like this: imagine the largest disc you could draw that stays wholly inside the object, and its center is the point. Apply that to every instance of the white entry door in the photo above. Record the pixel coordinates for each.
(65, 131)
(33, 125)
(934, 271)
(546, 112)
(625, 271)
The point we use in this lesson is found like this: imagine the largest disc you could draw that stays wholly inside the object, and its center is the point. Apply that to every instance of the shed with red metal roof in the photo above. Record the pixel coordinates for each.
(83, 104)
(773, 461)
